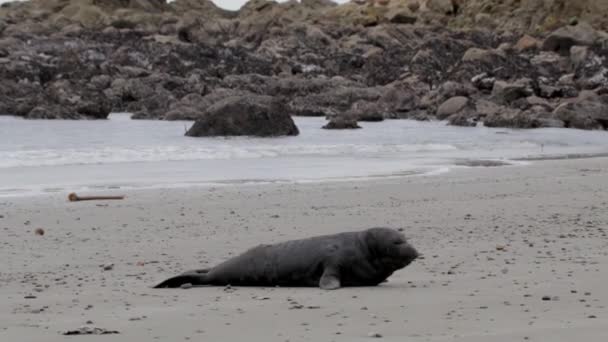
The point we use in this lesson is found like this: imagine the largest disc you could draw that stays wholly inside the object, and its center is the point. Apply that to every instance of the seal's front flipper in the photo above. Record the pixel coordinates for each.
(193, 278)
(330, 279)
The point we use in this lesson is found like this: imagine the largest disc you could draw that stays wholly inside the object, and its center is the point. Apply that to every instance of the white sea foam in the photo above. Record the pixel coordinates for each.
(59, 155)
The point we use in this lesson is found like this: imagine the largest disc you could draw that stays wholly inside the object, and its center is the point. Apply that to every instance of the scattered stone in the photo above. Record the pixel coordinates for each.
(108, 267)
(374, 335)
(39, 231)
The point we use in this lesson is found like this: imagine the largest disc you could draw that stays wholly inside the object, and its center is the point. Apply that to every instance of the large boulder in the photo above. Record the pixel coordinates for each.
(253, 115)
(583, 114)
(535, 117)
(562, 39)
(451, 106)
(341, 122)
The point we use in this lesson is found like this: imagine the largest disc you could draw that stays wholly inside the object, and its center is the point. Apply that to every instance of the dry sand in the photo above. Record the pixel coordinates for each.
(495, 241)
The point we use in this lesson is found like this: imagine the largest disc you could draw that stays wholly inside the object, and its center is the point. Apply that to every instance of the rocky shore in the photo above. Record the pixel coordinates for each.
(520, 65)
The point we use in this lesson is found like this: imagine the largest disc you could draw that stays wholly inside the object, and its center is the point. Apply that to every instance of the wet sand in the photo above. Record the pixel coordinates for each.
(511, 253)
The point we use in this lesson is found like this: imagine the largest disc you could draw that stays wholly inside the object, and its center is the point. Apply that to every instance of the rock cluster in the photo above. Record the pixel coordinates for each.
(190, 60)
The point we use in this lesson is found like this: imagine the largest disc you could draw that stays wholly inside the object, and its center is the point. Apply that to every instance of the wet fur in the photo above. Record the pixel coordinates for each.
(364, 258)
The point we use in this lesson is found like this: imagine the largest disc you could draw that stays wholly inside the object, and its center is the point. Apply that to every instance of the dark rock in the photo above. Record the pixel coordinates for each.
(365, 111)
(464, 119)
(536, 117)
(451, 107)
(194, 105)
(483, 82)
(334, 100)
(506, 92)
(341, 123)
(585, 114)
(562, 39)
(261, 116)
(402, 17)
(398, 101)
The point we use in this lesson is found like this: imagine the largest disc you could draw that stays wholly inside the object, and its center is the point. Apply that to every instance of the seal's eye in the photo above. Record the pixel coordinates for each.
(398, 242)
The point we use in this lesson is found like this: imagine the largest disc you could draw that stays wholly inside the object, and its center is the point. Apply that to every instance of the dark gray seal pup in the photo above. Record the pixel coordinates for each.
(365, 258)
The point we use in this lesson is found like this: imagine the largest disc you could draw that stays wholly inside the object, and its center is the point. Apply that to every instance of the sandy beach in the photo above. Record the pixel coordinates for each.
(495, 242)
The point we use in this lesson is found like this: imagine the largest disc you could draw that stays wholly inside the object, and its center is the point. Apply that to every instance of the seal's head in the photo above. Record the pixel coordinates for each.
(390, 247)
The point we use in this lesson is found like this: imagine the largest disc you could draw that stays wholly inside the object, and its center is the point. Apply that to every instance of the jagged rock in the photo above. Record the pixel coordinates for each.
(342, 123)
(513, 118)
(506, 92)
(483, 81)
(398, 101)
(175, 61)
(335, 100)
(562, 39)
(401, 17)
(583, 114)
(445, 91)
(252, 115)
(598, 80)
(195, 105)
(463, 119)
(365, 111)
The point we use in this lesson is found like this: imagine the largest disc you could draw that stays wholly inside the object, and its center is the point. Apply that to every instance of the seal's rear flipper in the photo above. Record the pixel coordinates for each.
(193, 278)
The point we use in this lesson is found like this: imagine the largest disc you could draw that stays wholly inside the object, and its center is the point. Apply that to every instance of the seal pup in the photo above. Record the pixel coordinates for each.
(364, 258)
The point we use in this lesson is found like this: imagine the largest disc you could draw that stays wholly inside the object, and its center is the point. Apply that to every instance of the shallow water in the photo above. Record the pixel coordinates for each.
(50, 156)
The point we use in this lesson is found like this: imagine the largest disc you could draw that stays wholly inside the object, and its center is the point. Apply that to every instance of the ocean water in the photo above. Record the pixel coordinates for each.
(60, 156)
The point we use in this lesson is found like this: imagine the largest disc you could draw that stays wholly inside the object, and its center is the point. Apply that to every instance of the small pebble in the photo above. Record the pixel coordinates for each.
(108, 267)
(39, 231)
(374, 335)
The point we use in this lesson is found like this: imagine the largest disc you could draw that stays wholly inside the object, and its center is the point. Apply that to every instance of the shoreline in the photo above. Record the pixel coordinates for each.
(495, 242)
(458, 164)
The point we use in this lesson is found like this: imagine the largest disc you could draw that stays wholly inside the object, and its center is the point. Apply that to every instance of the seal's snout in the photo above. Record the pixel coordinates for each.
(410, 253)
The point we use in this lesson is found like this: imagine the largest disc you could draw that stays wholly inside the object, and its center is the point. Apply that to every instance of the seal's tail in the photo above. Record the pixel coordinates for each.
(192, 278)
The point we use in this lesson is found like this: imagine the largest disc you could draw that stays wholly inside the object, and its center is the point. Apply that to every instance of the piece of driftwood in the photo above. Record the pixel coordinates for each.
(75, 198)
(90, 331)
